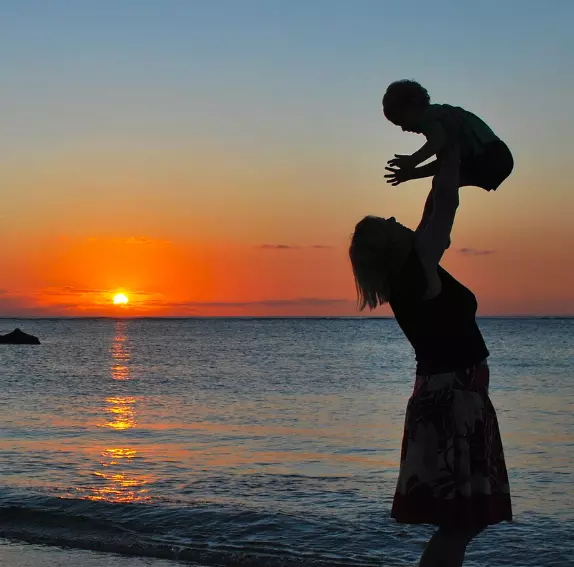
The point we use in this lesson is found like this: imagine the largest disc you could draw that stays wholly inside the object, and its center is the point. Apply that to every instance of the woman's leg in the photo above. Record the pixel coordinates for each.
(447, 547)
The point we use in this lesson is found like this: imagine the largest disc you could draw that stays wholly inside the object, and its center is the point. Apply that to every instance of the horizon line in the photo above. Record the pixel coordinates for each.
(251, 317)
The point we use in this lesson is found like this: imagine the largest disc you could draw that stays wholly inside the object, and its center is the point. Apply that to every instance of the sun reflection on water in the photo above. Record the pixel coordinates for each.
(120, 353)
(122, 410)
(118, 485)
(117, 478)
(121, 407)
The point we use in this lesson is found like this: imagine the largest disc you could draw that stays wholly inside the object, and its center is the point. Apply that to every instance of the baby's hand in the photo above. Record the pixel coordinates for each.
(398, 176)
(402, 161)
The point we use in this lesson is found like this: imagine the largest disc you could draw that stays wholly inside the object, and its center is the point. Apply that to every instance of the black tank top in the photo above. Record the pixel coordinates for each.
(442, 330)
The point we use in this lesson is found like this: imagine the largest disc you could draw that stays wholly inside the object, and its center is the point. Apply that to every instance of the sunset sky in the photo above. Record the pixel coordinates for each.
(211, 157)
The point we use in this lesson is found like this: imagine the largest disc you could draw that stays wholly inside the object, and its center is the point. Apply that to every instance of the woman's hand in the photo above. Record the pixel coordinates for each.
(398, 176)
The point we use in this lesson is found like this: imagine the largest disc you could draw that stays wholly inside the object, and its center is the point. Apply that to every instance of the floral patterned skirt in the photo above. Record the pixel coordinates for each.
(452, 468)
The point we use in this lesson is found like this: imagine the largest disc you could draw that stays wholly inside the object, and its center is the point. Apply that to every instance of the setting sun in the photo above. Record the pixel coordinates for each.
(120, 299)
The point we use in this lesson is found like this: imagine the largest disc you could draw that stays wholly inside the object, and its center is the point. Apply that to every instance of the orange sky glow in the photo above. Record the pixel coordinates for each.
(219, 169)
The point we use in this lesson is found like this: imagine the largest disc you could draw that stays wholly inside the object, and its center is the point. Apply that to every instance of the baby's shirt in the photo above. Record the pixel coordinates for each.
(459, 124)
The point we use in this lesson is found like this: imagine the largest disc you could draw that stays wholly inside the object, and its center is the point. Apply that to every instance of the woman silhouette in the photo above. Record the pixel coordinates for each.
(452, 470)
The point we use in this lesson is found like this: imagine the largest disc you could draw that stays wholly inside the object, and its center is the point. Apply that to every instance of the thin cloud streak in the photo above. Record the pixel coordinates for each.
(475, 251)
(294, 247)
(278, 247)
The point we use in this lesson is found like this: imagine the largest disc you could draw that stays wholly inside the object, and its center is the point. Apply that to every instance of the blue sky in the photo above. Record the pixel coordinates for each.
(231, 58)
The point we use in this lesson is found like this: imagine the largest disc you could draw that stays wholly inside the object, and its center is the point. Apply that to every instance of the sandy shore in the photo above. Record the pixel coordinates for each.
(14, 554)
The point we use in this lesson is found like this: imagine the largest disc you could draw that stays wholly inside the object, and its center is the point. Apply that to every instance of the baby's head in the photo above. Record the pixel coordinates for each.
(404, 103)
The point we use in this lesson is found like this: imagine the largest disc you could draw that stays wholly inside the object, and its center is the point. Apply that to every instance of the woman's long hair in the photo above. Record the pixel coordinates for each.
(375, 259)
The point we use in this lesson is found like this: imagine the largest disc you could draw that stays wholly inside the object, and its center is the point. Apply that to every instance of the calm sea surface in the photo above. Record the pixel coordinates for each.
(263, 442)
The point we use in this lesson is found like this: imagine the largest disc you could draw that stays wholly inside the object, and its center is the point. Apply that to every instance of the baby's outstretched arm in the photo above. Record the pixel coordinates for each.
(428, 170)
(398, 175)
(436, 140)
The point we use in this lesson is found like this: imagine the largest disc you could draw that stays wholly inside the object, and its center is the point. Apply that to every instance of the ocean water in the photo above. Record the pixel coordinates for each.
(262, 441)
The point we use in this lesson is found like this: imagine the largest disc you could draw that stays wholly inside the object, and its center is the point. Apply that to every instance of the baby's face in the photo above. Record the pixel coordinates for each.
(408, 118)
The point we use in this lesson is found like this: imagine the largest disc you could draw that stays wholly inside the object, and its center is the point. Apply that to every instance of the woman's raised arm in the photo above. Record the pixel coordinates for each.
(433, 240)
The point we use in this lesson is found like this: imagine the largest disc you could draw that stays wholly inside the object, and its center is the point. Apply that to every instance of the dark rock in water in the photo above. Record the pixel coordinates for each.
(18, 337)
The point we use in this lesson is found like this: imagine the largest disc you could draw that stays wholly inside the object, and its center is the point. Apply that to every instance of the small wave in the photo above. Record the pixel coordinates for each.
(203, 534)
